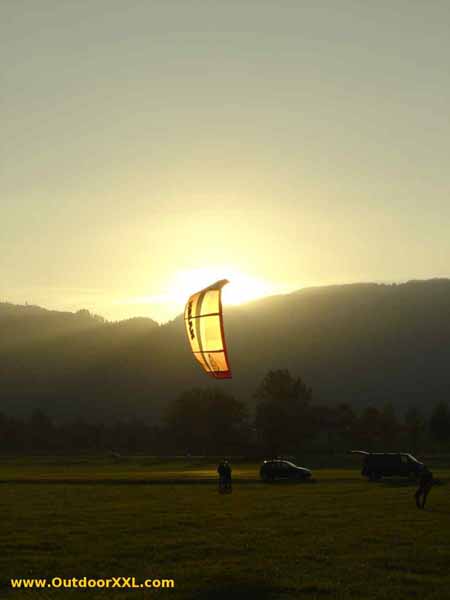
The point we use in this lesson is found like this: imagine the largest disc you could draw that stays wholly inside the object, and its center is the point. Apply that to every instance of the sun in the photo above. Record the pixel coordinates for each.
(241, 288)
(172, 298)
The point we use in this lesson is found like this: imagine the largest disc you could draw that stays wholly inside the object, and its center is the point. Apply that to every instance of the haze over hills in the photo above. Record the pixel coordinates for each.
(357, 343)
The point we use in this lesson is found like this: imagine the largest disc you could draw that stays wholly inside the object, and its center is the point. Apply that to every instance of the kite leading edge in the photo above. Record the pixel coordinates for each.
(204, 327)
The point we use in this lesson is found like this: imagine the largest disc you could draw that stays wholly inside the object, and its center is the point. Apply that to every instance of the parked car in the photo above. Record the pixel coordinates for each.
(387, 464)
(279, 469)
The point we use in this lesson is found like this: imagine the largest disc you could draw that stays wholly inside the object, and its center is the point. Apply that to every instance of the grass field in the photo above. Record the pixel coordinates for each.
(340, 537)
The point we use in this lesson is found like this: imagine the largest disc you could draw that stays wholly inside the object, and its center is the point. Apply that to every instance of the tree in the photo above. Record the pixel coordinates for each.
(283, 418)
(414, 427)
(13, 434)
(206, 420)
(390, 427)
(345, 419)
(369, 428)
(41, 431)
(440, 422)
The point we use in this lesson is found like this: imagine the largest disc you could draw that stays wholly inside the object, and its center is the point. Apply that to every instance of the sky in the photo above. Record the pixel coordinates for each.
(149, 148)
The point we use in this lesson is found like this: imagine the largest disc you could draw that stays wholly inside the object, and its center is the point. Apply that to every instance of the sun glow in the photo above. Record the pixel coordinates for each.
(242, 288)
(171, 299)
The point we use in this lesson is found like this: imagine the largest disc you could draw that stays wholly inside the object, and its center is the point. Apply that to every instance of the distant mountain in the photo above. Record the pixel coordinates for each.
(358, 343)
(23, 324)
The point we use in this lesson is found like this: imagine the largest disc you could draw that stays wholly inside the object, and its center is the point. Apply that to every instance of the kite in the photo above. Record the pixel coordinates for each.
(205, 332)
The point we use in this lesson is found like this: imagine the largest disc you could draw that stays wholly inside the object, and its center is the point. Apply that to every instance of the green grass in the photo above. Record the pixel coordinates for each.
(341, 537)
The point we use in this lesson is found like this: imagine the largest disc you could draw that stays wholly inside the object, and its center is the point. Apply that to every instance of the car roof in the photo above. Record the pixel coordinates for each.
(384, 454)
(389, 454)
(281, 460)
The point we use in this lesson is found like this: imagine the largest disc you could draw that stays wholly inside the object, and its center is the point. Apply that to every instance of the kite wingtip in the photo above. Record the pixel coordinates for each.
(221, 375)
(220, 283)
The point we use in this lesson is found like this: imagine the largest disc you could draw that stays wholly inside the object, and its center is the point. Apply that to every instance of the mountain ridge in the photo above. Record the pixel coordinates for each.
(362, 343)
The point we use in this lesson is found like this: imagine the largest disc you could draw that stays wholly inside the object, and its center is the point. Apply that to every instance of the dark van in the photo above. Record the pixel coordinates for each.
(389, 464)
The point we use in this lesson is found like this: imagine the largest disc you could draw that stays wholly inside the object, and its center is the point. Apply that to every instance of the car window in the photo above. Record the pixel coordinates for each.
(404, 460)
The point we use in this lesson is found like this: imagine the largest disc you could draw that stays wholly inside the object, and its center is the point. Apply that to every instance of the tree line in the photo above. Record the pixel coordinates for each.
(208, 421)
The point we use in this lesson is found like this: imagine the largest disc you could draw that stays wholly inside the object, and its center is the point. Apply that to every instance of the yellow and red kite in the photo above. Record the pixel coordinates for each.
(204, 328)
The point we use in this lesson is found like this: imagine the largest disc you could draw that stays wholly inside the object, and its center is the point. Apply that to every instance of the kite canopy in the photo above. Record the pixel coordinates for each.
(204, 328)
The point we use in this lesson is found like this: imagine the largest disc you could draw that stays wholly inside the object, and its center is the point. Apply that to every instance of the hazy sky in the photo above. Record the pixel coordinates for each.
(148, 147)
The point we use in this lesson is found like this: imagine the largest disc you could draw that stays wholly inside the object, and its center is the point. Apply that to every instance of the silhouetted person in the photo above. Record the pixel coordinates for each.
(425, 485)
(224, 471)
(221, 470)
(227, 477)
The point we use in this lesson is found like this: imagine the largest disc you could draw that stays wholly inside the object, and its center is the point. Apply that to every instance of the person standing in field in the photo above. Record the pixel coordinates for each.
(227, 477)
(224, 471)
(221, 470)
(425, 485)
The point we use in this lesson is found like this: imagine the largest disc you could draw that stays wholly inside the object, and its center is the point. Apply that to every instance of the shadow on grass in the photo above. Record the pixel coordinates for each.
(289, 481)
(438, 511)
(408, 482)
(412, 483)
(239, 591)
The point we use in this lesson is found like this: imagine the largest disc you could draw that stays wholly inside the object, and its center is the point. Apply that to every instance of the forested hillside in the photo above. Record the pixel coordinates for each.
(360, 344)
